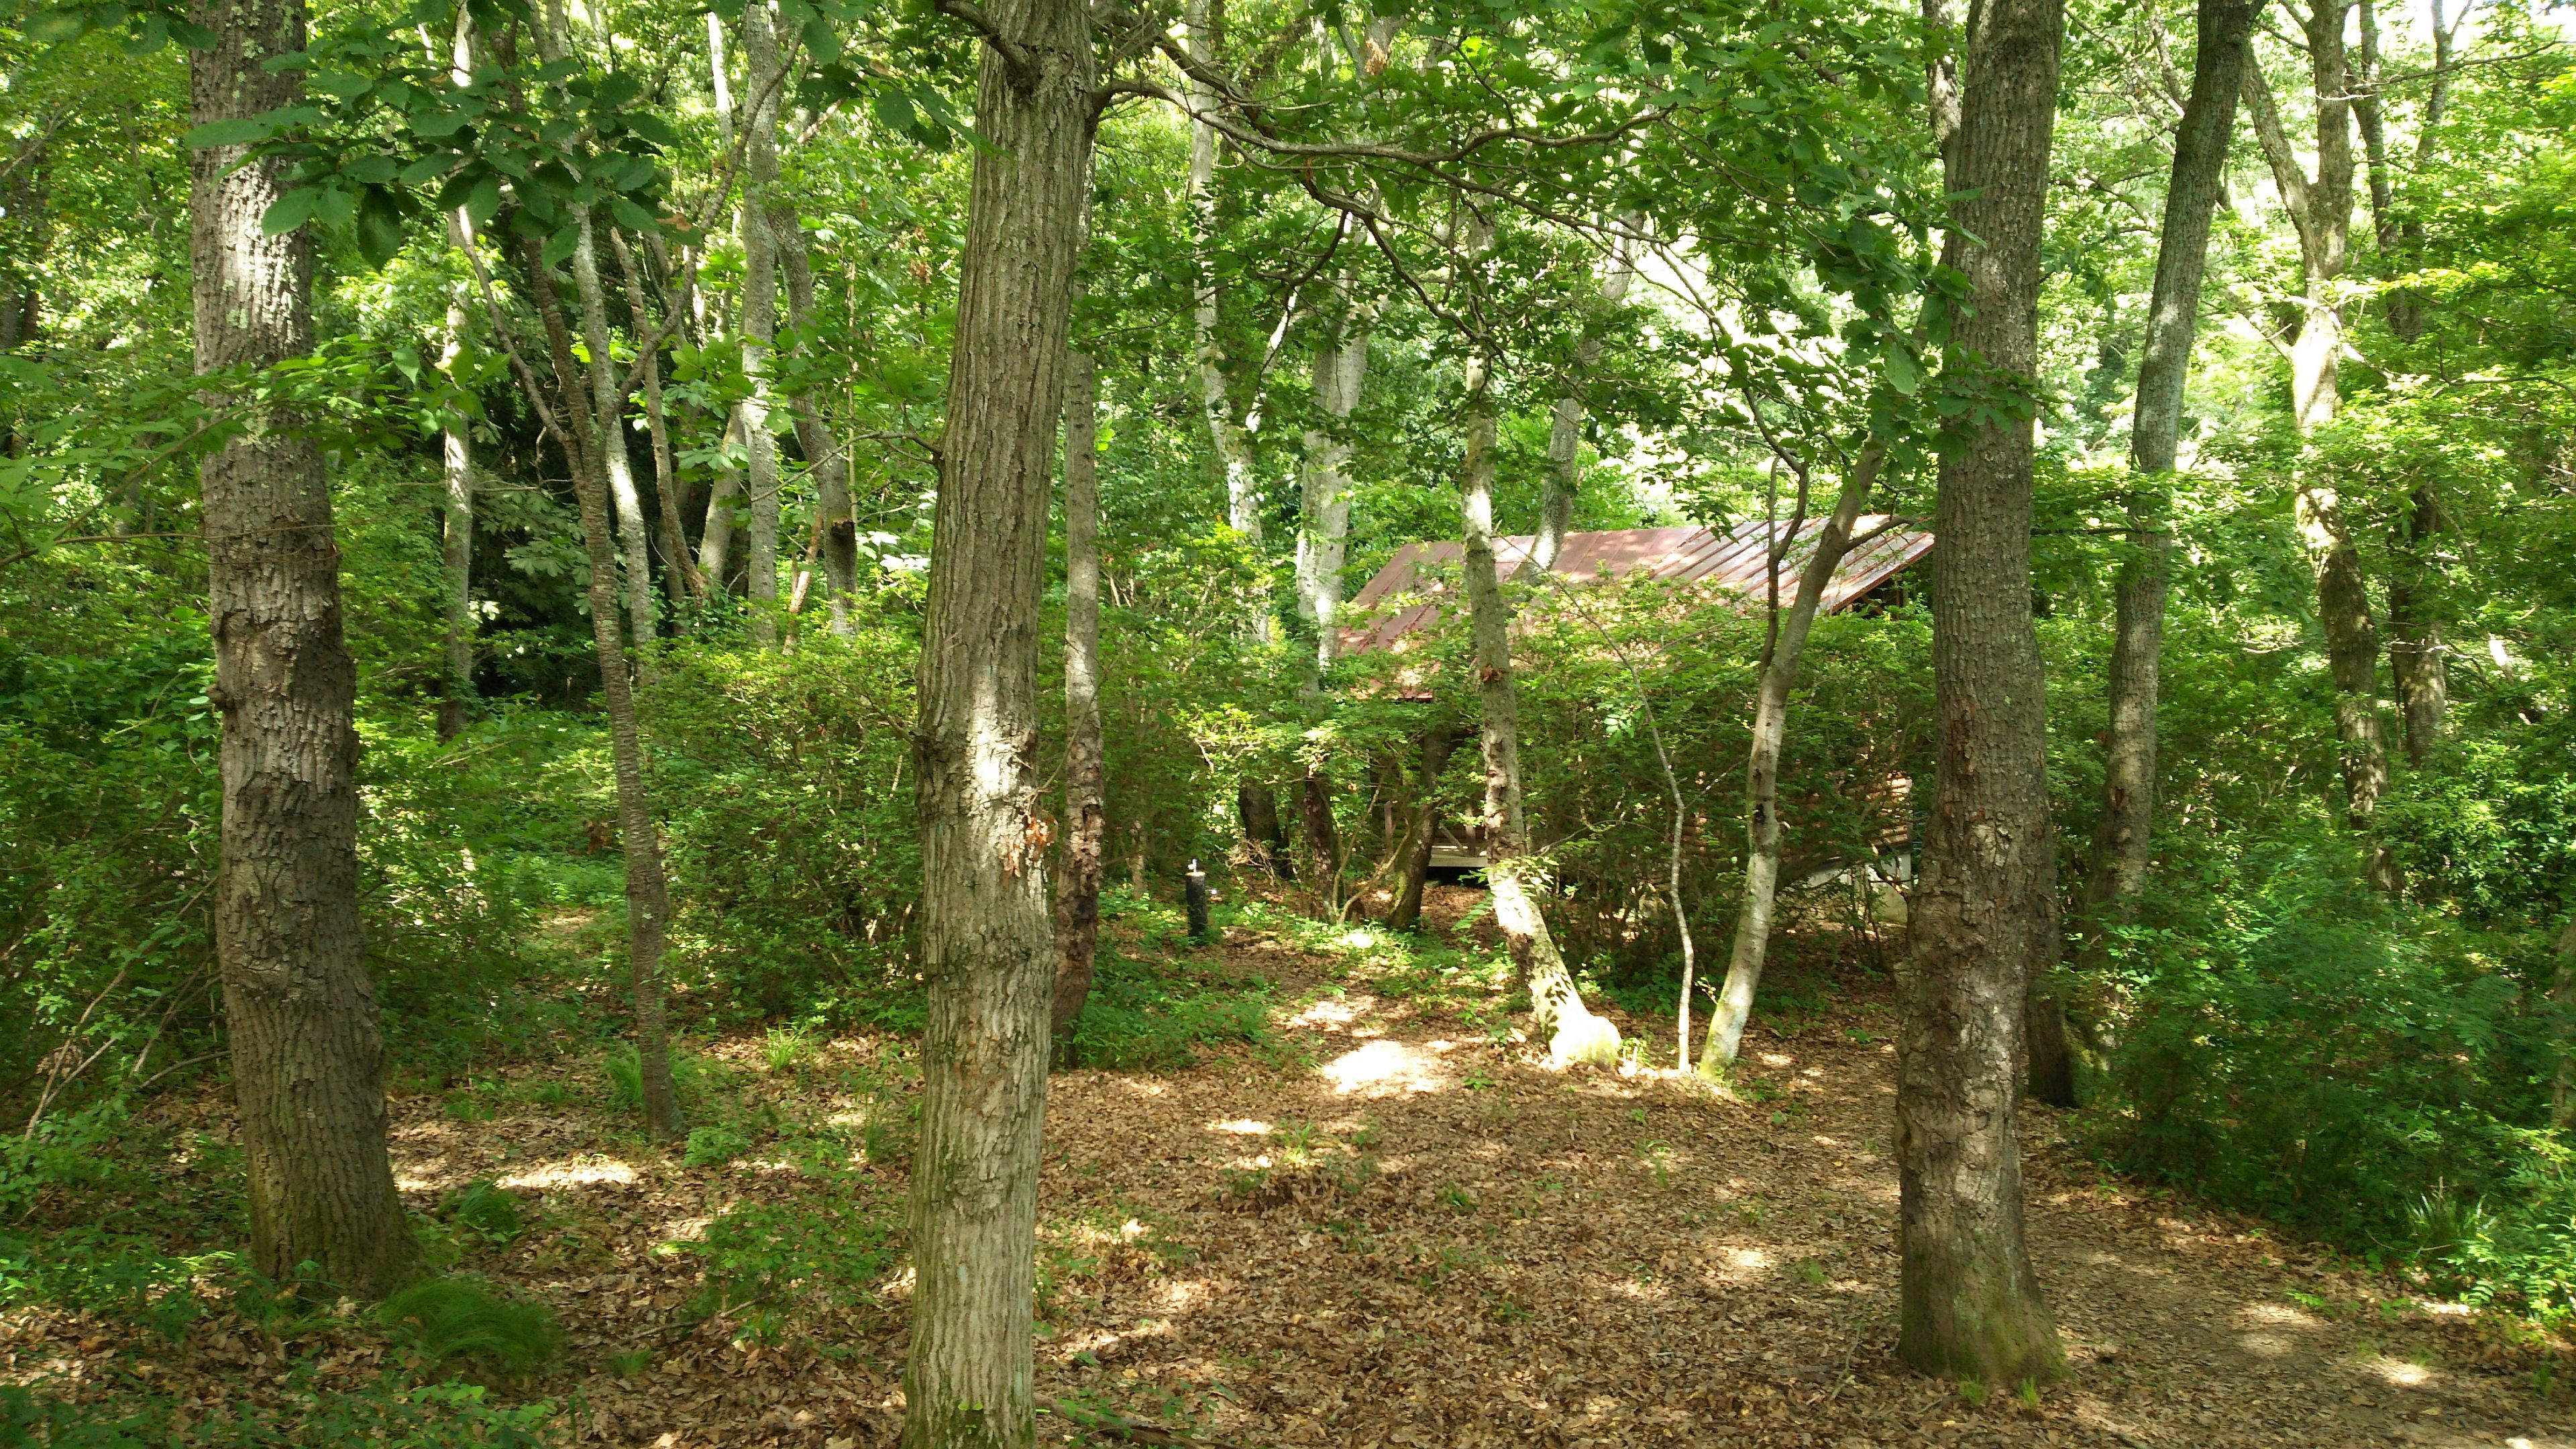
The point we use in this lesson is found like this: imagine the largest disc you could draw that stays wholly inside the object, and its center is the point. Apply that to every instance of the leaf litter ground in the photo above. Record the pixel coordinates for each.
(1389, 1224)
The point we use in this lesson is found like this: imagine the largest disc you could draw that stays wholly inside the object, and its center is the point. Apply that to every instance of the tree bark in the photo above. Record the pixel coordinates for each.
(1421, 823)
(2320, 211)
(617, 466)
(988, 943)
(1563, 481)
(2562, 997)
(1557, 1012)
(456, 451)
(1762, 771)
(1085, 802)
(685, 586)
(2417, 657)
(760, 309)
(1985, 910)
(715, 534)
(1323, 535)
(824, 455)
(1225, 429)
(2123, 837)
(307, 1053)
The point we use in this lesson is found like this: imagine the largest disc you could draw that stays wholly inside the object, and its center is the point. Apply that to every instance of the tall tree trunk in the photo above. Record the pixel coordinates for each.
(685, 587)
(760, 308)
(617, 467)
(2417, 657)
(1226, 432)
(1557, 1012)
(456, 450)
(25, 236)
(1985, 909)
(1085, 800)
(307, 1054)
(824, 455)
(715, 534)
(2562, 998)
(988, 943)
(2320, 211)
(1563, 481)
(1421, 823)
(1762, 770)
(1324, 513)
(2122, 838)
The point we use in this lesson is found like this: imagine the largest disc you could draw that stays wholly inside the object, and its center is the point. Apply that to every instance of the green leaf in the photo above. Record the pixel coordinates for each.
(380, 226)
(649, 128)
(335, 207)
(559, 247)
(370, 170)
(438, 125)
(822, 40)
(430, 168)
(239, 131)
(338, 83)
(1901, 374)
(54, 27)
(630, 216)
(289, 211)
(484, 201)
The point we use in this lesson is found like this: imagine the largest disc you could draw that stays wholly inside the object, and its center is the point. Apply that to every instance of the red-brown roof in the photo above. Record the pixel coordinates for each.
(1737, 560)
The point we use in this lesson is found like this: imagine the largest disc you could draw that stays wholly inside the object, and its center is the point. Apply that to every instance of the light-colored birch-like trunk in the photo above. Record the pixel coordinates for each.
(1563, 481)
(456, 455)
(1226, 433)
(1557, 1012)
(617, 468)
(759, 310)
(1762, 767)
(1085, 796)
(1324, 511)
(715, 536)
(684, 586)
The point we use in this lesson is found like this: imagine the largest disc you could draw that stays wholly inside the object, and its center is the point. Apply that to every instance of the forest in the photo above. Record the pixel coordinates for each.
(964, 723)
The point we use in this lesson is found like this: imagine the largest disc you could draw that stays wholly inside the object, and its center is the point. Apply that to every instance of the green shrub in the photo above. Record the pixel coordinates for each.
(453, 1319)
(1158, 1015)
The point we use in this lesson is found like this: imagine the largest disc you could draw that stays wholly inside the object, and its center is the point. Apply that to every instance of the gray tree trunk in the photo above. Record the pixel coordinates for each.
(988, 941)
(1557, 1012)
(824, 455)
(1985, 909)
(715, 536)
(1422, 821)
(1226, 432)
(1085, 800)
(1563, 481)
(2122, 839)
(608, 415)
(299, 1012)
(1323, 536)
(456, 451)
(1762, 772)
(684, 585)
(760, 309)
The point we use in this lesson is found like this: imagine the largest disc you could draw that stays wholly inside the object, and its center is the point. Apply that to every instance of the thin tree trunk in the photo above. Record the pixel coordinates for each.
(685, 586)
(1323, 537)
(1562, 483)
(2417, 657)
(307, 1053)
(608, 415)
(1422, 822)
(715, 535)
(456, 449)
(988, 942)
(760, 310)
(1225, 430)
(1985, 910)
(1557, 1012)
(824, 455)
(1085, 800)
(2562, 997)
(1762, 772)
(2123, 837)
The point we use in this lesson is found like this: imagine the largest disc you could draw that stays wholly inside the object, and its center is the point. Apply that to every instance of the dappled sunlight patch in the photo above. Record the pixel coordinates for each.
(2270, 1315)
(2398, 1373)
(1242, 1127)
(1385, 1067)
(683, 1230)
(580, 1171)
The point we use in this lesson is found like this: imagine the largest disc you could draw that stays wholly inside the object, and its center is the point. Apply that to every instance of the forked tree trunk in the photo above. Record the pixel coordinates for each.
(824, 455)
(988, 942)
(307, 1055)
(760, 309)
(2123, 837)
(1984, 917)
(1762, 773)
(1421, 823)
(456, 451)
(1086, 821)
(1557, 1012)
(1233, 443)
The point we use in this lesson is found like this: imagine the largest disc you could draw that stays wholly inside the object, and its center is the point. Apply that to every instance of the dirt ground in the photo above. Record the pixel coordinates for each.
(1388, 1229)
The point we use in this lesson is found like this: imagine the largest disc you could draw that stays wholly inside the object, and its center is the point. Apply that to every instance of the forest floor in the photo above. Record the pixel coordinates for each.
(1382, 1226)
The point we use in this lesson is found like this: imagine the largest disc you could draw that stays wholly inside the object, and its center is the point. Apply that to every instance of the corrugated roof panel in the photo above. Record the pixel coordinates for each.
(1739, 560)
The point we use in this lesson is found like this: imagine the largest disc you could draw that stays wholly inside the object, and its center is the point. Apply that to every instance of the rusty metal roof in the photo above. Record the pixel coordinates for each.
(1405, 596)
